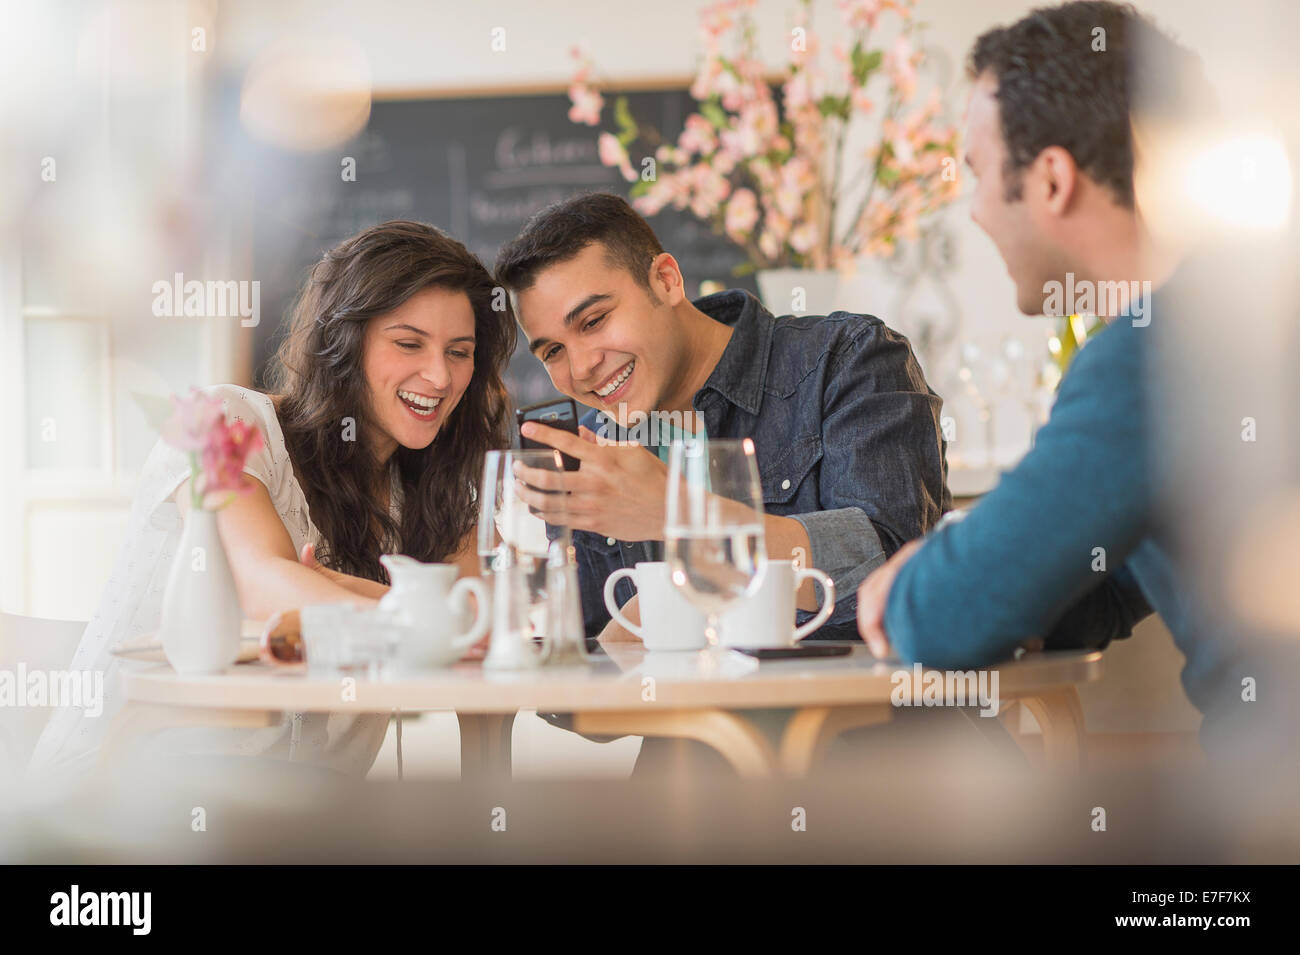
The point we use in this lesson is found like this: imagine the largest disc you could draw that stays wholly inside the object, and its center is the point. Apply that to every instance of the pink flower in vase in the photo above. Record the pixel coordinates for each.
(900, 63)
(587, 104)
(702, 87)
(860, 14)
(716, 188)
(228, 448)
(803, 238)
(586, 99)
(698, 136)
(612, 153)
(717, 19)
(732, 91)
(217, 449)
(742, 214)
(789, 158)
(777, 225)
(193, 417)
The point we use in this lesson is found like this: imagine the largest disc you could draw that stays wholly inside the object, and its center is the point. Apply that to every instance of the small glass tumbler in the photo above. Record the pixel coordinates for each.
(341, 639)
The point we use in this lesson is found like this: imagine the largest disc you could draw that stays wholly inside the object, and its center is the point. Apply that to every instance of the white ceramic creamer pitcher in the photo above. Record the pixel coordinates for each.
(434, 606)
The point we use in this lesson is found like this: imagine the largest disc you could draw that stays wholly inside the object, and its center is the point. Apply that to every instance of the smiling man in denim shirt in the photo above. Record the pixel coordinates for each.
(846, 430)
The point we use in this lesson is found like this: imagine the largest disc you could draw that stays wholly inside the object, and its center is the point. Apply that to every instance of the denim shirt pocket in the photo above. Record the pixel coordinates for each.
(783, 474)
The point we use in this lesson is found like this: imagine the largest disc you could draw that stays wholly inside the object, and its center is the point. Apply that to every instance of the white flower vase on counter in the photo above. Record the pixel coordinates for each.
(200, 613)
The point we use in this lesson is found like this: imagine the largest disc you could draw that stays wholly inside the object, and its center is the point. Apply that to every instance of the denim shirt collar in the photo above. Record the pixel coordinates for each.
(740, 372)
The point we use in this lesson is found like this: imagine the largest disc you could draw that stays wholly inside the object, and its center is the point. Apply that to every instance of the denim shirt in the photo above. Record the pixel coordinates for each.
(847, 437)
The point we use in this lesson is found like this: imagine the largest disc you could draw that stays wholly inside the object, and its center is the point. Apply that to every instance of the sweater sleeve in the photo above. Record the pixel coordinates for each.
(1053, 530)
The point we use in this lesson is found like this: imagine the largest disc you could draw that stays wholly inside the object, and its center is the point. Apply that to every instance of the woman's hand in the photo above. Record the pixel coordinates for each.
(282, 638)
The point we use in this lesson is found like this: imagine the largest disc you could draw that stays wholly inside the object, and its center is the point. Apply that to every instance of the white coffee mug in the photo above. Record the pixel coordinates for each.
(766, 619)
(668, 620)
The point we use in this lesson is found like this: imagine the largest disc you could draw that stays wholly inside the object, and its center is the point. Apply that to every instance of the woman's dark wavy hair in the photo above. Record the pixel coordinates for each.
(319, 377)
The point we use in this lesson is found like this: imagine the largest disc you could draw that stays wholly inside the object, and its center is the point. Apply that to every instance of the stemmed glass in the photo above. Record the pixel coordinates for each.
(972, 374)
(714, 541)
(1027, 374)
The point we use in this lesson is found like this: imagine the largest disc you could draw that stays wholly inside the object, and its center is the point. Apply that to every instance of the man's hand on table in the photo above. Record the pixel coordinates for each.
(873, 596)
(615, 632)
(620, 644)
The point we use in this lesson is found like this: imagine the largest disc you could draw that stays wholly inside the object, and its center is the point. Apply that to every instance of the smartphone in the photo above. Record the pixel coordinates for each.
(560, 413)
(802, 650)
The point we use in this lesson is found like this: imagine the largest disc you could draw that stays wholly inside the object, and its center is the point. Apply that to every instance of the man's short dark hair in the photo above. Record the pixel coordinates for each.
(562, 230)
(1057, 87)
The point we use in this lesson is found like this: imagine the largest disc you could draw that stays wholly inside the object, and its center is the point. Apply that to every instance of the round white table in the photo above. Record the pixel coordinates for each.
(702, 696)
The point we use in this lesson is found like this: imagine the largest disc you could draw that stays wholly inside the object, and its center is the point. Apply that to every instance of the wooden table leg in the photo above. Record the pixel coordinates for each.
(736, 738)
(811, 729)
(136, 718)
(1059, 713)
(485, 746)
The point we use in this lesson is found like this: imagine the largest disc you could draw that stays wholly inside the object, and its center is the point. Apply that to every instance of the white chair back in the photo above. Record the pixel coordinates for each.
(37, 644)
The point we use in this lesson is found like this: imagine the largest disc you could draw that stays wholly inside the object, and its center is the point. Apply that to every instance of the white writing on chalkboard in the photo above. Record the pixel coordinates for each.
(518, 147)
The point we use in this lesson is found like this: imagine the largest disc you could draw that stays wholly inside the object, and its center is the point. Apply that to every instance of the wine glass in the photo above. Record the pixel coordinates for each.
(714, 541)
(1029, 378)
(973, 375)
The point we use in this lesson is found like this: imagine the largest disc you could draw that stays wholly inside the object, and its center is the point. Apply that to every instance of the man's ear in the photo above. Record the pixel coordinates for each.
(1057, 177)
(666, 279)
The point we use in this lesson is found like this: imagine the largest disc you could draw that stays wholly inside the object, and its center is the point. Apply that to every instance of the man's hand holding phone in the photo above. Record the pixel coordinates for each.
(618, 491)
(561, 413)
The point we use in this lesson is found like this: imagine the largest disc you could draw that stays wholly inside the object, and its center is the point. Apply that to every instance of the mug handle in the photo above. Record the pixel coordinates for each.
(612, 607)
(475, 633)
(828, 602)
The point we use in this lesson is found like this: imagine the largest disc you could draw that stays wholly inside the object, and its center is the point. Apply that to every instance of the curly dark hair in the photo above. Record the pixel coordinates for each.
(563, 229)
(1055, 89)
(320, 381)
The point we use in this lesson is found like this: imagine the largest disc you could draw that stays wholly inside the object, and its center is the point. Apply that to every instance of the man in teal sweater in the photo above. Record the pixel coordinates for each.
(1068, 550)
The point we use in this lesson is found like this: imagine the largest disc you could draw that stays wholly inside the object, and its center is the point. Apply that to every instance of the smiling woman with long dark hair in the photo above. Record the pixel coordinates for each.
(343, 376)
(388, 391)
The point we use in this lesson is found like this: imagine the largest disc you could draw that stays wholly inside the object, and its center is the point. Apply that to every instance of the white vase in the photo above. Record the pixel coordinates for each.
(200, 613)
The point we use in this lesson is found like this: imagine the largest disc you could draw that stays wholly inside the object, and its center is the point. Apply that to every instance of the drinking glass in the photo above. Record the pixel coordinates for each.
(502, 517)
(975, 374)
(714, 541)
(1024, 373)
(345, 639)
(518, 554)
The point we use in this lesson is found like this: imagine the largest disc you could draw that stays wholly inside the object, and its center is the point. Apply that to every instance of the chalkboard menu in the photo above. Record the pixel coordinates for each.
(476, 167)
